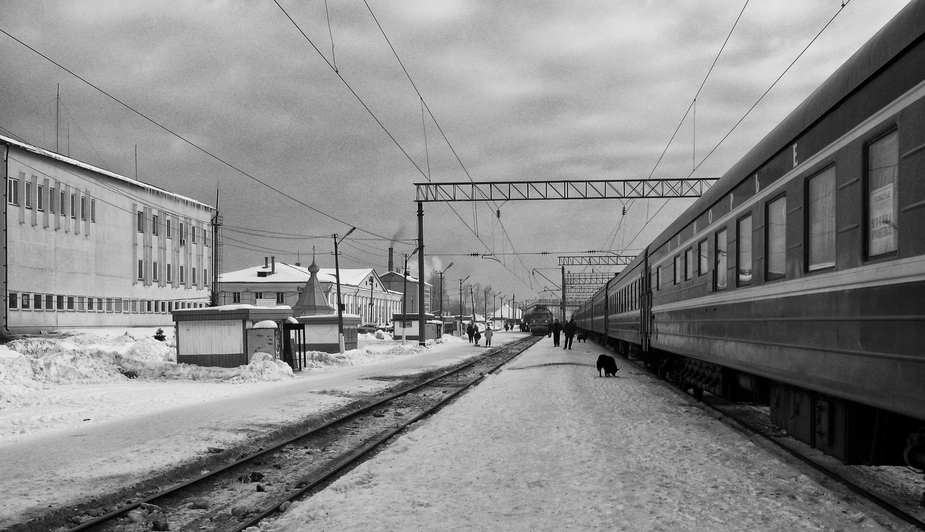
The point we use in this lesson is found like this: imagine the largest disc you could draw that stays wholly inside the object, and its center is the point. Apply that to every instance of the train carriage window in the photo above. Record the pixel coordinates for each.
(744, 251)
(776, 258)
(689, 264)
(721, 261)
(678, 269)
(704, 263)
(820, 214)
(883, 194)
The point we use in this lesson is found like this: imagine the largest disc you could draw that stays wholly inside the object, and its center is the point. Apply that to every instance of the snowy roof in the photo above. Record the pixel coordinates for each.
(290, 273)
(107, 173)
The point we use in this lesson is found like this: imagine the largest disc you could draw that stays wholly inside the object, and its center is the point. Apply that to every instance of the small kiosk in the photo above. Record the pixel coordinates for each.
(433, 328)
(320, 319)
(227, 336)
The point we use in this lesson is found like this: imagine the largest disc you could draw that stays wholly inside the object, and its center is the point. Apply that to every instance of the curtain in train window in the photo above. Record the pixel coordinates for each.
(820, 214)
(777, 239)
(721, 260)
(744, 251)
(883, 199)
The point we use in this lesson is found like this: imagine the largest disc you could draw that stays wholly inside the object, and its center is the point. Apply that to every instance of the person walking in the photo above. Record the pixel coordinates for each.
(478, 335)
(488, 334)
(556, 331)
(470, 332)
(570, 329)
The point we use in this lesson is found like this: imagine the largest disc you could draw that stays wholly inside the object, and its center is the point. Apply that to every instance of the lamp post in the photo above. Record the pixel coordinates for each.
(495, 305)
(404, 296)
(340, 306)
(487, 291)
(441, 288)
(461, 281)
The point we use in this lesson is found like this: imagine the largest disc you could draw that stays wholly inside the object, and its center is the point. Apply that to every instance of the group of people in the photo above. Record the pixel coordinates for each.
(472, 331)
(569, 329)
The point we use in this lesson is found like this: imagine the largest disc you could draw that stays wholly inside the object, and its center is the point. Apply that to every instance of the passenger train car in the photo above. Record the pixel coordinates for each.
(799, 277)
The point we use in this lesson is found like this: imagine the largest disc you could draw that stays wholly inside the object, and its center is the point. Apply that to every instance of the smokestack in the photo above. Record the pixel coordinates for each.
(391, 261)
(274, 265)
(266, 262)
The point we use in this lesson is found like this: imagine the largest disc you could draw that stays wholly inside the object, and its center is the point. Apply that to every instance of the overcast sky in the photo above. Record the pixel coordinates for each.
(522, 90)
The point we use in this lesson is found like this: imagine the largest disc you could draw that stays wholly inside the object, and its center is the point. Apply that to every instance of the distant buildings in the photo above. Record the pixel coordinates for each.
(85, 247)
(363, 293)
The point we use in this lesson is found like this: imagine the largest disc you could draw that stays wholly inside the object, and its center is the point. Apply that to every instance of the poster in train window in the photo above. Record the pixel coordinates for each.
(721, 260)
(820, 214)
(882, 207)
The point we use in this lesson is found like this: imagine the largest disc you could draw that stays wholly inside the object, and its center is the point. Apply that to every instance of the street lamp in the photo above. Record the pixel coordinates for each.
(461, 281)
(340, 306)
(487, 291)
(441, 289)
(404, 296)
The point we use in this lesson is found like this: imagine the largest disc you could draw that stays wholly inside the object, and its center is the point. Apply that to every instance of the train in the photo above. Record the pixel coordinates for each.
(538, 320)
(797, 280)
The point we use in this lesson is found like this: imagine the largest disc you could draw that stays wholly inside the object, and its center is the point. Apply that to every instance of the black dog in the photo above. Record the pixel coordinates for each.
(608, 365)
(582, 337)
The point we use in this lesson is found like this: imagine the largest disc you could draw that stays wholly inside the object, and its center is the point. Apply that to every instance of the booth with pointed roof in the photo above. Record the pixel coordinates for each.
(320, 318)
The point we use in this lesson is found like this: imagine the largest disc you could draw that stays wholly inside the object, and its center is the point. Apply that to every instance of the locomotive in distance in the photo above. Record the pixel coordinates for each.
(798, 279)
(538, 320)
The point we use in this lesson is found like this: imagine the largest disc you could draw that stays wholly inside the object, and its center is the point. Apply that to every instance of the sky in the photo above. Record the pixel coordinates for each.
(308, 118)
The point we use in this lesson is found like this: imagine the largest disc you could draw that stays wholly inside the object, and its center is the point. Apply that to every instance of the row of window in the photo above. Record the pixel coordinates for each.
(626, 299)
(58, 302)
(882, 230)
(156, 272)
(167, 226)
(79, 205)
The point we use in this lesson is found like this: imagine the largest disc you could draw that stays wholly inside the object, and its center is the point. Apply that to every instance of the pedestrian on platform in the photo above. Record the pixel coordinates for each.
(488, 334)
(470, 332)
(556, 331)
(570, 329)
(478, 335)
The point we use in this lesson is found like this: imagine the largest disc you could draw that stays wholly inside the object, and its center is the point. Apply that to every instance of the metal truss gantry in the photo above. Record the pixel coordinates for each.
(563, 189)
(596, 260)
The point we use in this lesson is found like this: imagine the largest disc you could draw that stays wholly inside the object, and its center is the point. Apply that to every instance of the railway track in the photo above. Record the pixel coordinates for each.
(894, 490)
(259, 485)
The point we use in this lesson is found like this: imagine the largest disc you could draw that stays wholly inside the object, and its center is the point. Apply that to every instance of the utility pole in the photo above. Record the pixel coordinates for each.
(461, 281)
(340, 306)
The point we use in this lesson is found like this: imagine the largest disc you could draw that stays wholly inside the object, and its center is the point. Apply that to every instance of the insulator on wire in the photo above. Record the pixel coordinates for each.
(624, 210)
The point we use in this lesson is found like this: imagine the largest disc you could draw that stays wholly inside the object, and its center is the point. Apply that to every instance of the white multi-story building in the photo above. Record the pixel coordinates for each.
(85, 247)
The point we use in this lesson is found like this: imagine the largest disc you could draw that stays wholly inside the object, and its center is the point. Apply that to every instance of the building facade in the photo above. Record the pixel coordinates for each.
(85, 247)
(279, 283)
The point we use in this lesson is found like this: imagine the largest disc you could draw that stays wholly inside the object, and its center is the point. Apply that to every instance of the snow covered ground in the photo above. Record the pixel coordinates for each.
(545, 444)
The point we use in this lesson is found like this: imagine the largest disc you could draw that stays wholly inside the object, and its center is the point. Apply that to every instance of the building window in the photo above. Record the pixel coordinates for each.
(49, 302)
(37, 301)
(883, 195)
(40, 198)
(181, 274)
(192, 234)
(236, 297)
(99, 304)
(51, 200)
(744, 251)
(205, 276)
(182, 235)
(280, 298)
(90, 301)
(118, 304)
(689, 264)
(12, 192)
(168, 227)
(720, 261)
(141, 269)
(73, 205)
(258, 295)
(704, 263)
(169, 273)
(81, 302)
(26, 300)
(154, 225)
(63, 203)
(193, 272)
(28, 195)
(83, 208)
(154, 272)
(13, 300)
(141, 221)
(60, 305)
(776, 238)
(70, 302)
(93, 210)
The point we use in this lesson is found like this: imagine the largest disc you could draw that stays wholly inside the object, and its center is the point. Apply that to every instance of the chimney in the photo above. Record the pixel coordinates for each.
(391, 262)
(274, 264)
(266, 262)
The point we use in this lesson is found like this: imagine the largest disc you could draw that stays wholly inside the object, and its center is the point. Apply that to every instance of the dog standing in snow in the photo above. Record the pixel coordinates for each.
(607, 365)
